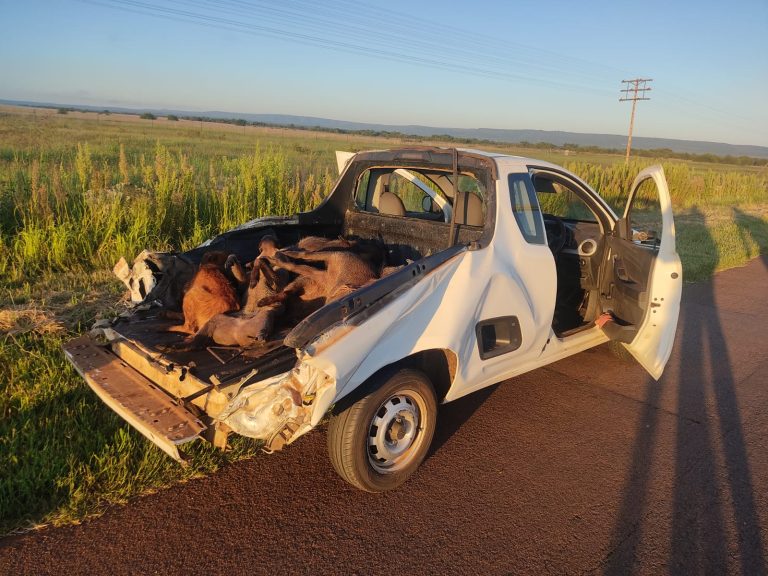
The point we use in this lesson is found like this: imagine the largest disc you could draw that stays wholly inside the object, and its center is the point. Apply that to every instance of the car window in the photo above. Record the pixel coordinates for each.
(426, 195)
(471, 185)
(526, 208)
(361, 194)
(411, 195)
(645, 215)
(559, 200)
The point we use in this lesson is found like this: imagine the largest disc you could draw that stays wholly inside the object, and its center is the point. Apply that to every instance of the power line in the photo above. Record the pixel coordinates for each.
(355, 27)
(636, 90)
(354, 40)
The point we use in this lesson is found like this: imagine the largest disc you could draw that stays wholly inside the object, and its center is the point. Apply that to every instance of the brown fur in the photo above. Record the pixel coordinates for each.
(372, 251)
(217, 258)
(209, 293)
(317, 243)
(170, 289)
(244, 331)
(263, 281)
(344, 272)
(235, 272)
(268, 246)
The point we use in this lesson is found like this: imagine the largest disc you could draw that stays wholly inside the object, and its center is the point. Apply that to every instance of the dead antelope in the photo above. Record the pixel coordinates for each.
(254, 324)
(226, 330)
(264, 281)
(209, 293)
(344, 272)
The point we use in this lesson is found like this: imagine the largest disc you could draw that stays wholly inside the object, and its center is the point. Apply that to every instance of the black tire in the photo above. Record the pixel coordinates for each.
(380, 440)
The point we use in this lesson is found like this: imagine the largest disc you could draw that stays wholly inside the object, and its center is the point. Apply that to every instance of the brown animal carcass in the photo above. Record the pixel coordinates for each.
(343, 272)
(241, 330)
(264, 280)
(254, 324)
(209, 293)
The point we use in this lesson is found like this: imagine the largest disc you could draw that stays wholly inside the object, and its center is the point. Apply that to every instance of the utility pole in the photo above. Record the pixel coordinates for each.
(635, 90)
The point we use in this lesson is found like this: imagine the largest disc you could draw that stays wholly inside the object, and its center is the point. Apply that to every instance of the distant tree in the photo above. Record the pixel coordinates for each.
(62, 111)
(241, 122)
(173, 117)
(148, 116)
(105, 112)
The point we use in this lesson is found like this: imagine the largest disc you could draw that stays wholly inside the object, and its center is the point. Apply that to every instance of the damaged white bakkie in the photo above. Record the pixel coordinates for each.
(501, 265)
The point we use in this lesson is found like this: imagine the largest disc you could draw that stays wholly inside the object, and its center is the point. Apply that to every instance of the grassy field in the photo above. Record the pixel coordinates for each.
(77, 191)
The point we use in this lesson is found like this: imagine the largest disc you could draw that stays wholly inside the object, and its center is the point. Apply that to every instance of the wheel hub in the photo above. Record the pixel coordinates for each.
(393, 431)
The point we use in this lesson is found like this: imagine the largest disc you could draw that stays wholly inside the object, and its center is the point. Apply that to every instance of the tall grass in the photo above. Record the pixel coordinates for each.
(689, 187)
(76, 209)
(72, 208)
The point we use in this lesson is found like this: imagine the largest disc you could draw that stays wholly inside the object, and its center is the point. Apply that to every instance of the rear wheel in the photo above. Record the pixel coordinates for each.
(378, 442)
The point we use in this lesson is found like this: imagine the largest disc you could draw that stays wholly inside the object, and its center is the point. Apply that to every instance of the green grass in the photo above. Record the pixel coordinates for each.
(713, 239)
(77, 191)
(61, 451)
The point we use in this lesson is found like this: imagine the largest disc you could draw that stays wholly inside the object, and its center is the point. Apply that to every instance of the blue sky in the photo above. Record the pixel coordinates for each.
(541, 64)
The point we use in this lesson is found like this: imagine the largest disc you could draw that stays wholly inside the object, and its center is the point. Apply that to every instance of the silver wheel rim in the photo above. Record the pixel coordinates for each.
(396, 432)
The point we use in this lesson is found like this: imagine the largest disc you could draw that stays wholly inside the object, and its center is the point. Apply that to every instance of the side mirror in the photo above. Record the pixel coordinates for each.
(426, 204)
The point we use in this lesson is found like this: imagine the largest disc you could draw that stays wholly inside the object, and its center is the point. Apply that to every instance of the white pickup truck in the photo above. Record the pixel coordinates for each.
(506, 264)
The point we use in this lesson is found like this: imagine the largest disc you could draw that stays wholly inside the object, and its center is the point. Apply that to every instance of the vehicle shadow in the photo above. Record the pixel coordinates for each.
(712, 479)
(453, 415)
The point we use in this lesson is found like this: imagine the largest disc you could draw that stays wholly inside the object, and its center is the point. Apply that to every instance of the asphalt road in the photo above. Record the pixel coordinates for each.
(587, 466)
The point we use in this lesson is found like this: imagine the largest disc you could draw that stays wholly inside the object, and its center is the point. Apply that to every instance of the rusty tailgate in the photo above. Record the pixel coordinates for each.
(133, 397)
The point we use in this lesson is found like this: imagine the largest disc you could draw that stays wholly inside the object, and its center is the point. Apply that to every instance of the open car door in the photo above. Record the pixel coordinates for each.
(643, 280)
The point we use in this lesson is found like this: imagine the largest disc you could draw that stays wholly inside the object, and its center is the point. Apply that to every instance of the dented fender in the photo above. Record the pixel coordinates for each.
(279, 409)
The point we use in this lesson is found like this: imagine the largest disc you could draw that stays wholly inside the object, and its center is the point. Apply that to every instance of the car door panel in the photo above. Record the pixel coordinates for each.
(643, 281)
(629, 281)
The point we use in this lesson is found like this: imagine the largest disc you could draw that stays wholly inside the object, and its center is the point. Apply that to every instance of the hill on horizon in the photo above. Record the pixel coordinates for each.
(511, 136)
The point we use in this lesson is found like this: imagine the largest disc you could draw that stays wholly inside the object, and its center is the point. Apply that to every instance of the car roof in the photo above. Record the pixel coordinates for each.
(508, 159)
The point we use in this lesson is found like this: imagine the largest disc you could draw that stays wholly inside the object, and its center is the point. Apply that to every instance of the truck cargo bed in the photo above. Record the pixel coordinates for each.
(212, 364)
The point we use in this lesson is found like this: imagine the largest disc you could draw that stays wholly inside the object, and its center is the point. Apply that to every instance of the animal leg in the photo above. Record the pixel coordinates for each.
(273, 278)
(300, 269)
(294, 288)
(306, 255)
(233, 266)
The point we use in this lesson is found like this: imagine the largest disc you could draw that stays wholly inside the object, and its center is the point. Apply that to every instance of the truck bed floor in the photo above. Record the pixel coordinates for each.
(214, 364)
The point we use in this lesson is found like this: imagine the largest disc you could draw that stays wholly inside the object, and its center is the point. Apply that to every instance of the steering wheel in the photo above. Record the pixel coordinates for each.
(557, 233)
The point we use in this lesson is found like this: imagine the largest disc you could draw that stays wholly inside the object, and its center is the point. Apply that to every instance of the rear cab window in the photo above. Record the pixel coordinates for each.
(422, 194)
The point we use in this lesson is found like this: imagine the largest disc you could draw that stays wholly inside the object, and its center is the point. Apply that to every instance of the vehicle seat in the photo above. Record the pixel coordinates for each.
(474, 213)
(391, 204)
